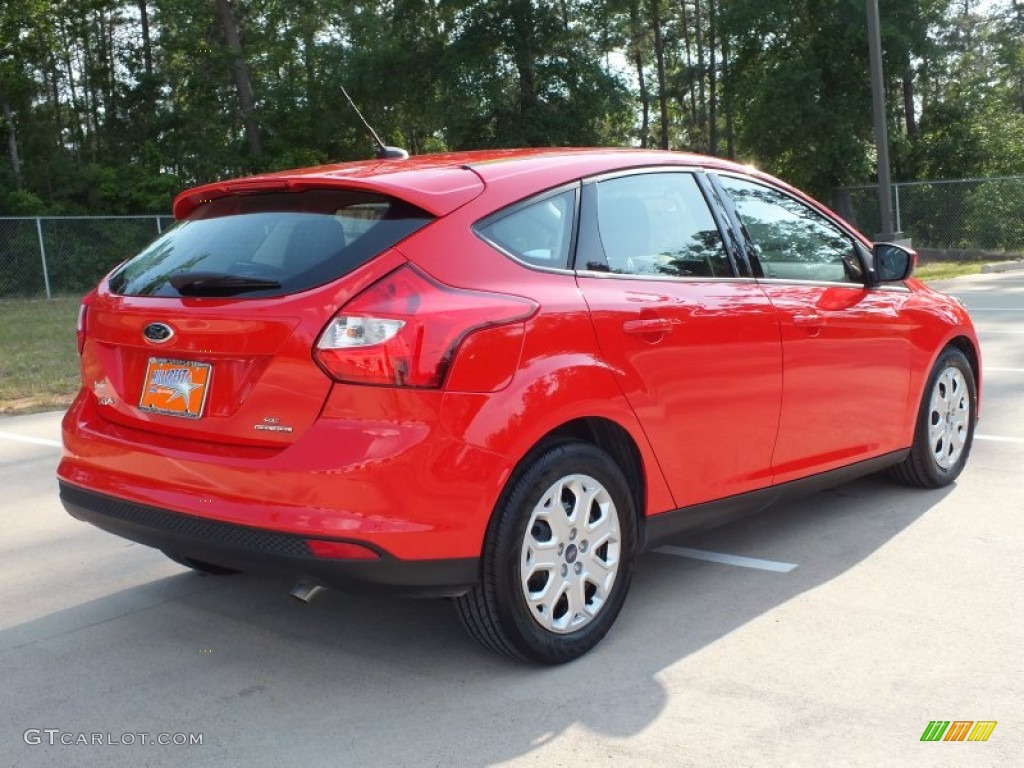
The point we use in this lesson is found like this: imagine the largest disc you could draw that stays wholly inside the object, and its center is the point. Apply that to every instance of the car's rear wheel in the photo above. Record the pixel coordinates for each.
(201, 566)
(558, 558)
(945, 424)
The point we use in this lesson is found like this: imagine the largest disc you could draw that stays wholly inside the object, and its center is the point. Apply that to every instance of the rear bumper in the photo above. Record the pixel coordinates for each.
(257, 550)
(403, 487)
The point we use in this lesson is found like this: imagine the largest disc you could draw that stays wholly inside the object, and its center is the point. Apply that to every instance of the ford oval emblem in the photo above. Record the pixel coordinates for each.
(158, 333)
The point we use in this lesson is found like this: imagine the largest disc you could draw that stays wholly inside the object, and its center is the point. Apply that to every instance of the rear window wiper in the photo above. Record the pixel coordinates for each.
(218, 284)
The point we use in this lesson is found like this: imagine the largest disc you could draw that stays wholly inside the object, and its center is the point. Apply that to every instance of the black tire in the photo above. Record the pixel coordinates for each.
(497, 612)
(201, 566)
(922, 468)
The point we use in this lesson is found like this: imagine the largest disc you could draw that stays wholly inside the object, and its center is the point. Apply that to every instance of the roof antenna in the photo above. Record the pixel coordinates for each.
(382, 151)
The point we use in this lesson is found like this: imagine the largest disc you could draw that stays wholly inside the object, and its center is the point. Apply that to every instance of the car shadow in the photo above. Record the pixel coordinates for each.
(356, 679)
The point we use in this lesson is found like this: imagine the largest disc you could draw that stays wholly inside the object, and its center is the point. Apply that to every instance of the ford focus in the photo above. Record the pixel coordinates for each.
(499, 376)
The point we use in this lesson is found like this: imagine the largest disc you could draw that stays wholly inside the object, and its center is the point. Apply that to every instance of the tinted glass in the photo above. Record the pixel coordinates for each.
(791, 240)
(538, 233)
(253, 246)
(659, 224)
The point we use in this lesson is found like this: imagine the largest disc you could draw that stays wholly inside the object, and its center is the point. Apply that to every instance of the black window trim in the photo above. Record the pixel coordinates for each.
(741, 265)
(526, 202)
(586, 219)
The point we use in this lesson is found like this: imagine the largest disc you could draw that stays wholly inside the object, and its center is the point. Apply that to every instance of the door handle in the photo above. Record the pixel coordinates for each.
(808, 319)
(647, 325)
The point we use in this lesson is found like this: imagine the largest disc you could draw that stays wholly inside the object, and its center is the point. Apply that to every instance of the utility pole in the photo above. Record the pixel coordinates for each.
(881, 135)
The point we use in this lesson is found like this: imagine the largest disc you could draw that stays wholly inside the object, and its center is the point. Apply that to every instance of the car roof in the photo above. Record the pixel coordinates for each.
(440, 183)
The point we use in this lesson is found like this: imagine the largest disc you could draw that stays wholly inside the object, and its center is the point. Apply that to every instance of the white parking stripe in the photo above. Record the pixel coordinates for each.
(996, 309)
(1003, 370)
(26, 439)
(990, 330)
(998, 439)
(719, 557)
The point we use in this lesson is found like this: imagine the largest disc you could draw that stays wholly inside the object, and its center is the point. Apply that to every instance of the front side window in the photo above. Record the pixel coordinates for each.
(538, 232)
(659, 224)
(791, 240)
(254, 246)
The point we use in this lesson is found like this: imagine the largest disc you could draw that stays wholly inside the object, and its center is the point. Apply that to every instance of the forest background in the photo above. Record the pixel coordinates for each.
(113, 107)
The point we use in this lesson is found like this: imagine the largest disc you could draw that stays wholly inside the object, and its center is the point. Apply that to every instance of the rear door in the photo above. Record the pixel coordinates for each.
(695, 346)
(846, 347)
(207, 334)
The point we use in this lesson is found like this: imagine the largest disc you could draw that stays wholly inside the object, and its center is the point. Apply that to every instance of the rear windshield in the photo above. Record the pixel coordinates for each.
(253, 246)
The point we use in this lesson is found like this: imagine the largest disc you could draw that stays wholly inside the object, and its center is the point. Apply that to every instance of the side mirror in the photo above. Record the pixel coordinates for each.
(893, 262)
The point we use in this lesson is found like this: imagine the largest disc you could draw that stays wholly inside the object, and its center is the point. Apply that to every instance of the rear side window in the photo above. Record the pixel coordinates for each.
(254, 246)
(538, 232)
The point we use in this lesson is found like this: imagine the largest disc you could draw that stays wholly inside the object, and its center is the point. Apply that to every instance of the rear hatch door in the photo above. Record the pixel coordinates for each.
(208, 333)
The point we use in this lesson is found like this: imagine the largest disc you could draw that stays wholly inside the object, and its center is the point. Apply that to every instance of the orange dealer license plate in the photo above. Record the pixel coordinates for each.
(175, 387)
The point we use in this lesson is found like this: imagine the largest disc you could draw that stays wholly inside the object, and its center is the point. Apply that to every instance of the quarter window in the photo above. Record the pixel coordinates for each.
(659, 224)
(791, 240)
(538, 233)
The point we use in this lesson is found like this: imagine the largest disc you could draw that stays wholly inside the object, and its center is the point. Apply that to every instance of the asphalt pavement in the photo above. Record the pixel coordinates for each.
(827, 632)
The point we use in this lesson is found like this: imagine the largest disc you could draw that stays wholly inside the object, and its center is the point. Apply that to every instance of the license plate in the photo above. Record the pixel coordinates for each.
(175, 387)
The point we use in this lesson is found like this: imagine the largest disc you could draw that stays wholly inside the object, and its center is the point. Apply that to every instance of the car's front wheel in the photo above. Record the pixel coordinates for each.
(558, 558)
(945, 424)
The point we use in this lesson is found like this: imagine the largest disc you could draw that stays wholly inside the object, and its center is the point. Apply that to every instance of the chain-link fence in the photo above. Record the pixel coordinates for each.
(54, 255)
(959, 215)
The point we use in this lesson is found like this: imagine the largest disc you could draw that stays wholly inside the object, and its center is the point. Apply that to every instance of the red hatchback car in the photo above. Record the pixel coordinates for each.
(499, 376)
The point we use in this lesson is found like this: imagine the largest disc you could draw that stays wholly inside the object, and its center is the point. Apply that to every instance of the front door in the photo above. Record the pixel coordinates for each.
(846, 347)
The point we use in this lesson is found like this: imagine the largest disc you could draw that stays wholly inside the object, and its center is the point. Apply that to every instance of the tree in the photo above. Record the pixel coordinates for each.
(17, 87)
(520, 72)
(799, 84)
(111, 106)
(243, 79)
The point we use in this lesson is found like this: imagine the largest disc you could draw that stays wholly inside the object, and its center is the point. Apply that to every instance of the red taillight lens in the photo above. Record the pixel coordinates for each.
(83, 319)
(403, 330)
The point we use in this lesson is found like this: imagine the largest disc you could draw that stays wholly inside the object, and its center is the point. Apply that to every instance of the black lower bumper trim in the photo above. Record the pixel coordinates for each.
(255, 550)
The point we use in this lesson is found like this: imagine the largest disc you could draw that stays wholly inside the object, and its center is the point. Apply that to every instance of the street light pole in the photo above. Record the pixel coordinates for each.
(881, 136)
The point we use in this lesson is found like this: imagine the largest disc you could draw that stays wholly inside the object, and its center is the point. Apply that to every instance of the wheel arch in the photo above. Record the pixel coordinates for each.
(618, 443)
(919, 469)
(925, 357)
(612, 438)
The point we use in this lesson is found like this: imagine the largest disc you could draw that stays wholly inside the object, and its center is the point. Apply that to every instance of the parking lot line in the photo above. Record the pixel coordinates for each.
(720, 557)
(1003, 370)
(1000, 439)
(26, 439)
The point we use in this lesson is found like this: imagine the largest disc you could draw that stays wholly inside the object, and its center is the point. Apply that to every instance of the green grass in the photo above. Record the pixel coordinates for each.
(38, 355)
(943, 270)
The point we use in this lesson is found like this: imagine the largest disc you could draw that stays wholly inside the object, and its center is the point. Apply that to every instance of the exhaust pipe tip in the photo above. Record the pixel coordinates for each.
(305, 591)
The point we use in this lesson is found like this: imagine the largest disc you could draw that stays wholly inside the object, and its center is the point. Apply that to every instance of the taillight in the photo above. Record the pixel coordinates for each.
(83, 319)
(404, 329)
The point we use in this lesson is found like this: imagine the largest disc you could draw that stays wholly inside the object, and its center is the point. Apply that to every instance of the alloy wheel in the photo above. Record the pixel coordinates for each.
(570, 554)
(949, 417)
